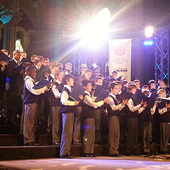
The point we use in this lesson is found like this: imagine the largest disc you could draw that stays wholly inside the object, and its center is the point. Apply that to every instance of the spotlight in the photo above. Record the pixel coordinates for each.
(148, 43)
(96, 31)
(149, 31)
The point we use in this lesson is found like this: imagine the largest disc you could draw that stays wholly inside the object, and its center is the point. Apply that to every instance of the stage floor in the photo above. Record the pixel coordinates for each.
(97, 163)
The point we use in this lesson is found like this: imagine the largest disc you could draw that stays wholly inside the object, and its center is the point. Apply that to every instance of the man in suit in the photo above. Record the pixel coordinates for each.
(3, 55)
(14, 91)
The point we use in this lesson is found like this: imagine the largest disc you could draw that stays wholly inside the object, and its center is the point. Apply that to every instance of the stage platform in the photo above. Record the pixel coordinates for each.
(97, 163)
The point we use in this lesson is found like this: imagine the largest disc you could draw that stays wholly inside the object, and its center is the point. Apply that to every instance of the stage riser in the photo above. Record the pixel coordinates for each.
(38, 152)
(15, 129)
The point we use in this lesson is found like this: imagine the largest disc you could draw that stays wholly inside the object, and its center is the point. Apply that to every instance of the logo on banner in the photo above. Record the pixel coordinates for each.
(120, 51)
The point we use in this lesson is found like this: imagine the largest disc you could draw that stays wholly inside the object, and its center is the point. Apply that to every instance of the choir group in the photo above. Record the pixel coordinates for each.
(86, 108)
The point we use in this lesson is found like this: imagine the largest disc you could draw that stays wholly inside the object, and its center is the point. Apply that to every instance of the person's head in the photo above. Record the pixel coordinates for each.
(125, 83)
(114, 88)
(46, 62)
(31, 71)
(59, 75)
(39, 61)
(60, 65)
(98, 81)
(4, 51)
(112, 80)
(68, 66)
(97, 69)
(88, 74)
(114, 74)
(162, 93)
(137, 83)
(68, 80)
(23, 55)
(53, 69)
(33, 58)
(131, 87)
(120, 85)
(87, 84)
(145, 89)
(17, 55)
(83, 68)
(152, 84)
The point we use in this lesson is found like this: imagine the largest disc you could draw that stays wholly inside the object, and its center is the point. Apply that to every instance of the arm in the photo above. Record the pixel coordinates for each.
(29, 85)
(132, 107)
(113, 106)
(153, 109)
(162, 111)
(55, 91)
(89, 101)
(65, 101)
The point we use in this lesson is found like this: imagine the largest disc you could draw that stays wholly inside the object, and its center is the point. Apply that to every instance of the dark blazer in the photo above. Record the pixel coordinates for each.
(14, 79)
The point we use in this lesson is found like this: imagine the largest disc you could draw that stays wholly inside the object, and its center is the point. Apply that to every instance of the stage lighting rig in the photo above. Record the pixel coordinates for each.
(96, 31)
(149, 31)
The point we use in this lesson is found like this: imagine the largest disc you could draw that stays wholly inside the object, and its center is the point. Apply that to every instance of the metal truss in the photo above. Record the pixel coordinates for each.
(162, 56)
(79, 59)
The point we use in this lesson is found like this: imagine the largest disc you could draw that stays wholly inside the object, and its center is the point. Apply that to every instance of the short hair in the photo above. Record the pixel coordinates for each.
(83, 66)
(52, 63)
(145, 86)
(136, 80)
(161, 91)
(67, 77)
(33, 56)
(131, 85)
(29, 68)
(66, 64)
(59, 71)
(112, 86)
(151, 82)
(114, 71)
(40, 58)
(88, 70)
(16, 51)
(59, 64)
(96, 68)
(46, 59)
(52, 67)
(118, 82)
(97, 78)
(124, 82)
(112, 79)
(85, 82)
(4, 50)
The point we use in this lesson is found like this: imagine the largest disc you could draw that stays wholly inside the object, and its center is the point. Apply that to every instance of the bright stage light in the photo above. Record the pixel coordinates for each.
(148, 42)
(149, 31)
(94, 33)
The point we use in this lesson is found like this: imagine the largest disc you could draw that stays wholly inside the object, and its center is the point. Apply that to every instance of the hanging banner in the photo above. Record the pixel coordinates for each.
(120, 57)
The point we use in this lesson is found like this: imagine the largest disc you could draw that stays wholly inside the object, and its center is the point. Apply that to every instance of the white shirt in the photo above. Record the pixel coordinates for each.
(29, 83)
(135, 108)
(65, 97)
(162, 111)
(111, 103)
(90, 101)
(53, 76)
(55, 91)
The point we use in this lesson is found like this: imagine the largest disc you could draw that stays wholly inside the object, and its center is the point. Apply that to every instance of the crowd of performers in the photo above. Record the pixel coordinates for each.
(126, 113)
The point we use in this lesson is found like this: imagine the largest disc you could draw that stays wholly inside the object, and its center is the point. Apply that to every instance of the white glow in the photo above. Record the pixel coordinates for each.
(149, 31)
(96, 31)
